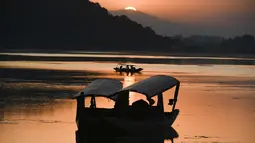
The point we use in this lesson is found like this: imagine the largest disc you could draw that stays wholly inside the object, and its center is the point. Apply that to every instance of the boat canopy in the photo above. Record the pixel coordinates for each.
(152, 86)
(101, 87)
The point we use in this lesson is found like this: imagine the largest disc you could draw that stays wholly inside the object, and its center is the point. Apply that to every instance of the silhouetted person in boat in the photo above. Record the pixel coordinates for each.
(151, 101)
(140, 109)
(122, 103)
(127, 67)
(120, 67)
(93, 102)
(132, 68)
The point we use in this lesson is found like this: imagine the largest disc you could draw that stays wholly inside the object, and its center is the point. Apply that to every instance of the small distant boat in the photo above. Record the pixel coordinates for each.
(127, 68)
(139, 118)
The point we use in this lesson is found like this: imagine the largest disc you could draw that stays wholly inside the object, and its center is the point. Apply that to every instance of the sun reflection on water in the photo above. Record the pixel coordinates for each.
(128, 80)
(133, 96)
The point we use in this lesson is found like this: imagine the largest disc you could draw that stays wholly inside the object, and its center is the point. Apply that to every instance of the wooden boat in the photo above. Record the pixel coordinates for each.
(127, 68)
(124, 119)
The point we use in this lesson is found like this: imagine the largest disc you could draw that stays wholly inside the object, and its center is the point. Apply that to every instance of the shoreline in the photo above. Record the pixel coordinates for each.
(126, 52)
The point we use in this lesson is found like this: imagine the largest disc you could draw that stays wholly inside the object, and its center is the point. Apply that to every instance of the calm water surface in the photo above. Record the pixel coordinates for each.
(216, 101)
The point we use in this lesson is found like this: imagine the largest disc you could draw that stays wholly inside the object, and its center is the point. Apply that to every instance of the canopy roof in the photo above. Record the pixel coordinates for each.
(101, 87)
(152, 86)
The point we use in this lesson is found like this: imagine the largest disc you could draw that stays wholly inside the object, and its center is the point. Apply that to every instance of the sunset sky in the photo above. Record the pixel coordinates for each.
(211, 12)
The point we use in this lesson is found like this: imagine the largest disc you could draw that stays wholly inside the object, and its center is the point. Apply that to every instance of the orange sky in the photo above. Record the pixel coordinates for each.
(189, 10)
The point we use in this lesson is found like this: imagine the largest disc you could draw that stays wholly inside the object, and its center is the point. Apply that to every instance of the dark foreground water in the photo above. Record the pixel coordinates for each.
(216, 99)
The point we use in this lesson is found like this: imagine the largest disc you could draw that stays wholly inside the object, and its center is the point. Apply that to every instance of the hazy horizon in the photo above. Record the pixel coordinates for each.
(225, 18)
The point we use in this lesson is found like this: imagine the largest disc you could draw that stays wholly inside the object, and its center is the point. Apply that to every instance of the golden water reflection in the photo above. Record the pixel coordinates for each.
(38, 122)
(133, 96)
(222, 70)
(216, 102)
(128, 80)
(226, 115)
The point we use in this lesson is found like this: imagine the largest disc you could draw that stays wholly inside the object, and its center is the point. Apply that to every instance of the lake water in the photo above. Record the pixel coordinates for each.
(216, 97)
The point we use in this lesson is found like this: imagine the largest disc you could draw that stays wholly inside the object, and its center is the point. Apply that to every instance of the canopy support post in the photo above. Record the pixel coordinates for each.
(80, 106)
(93, 102)
(176, 95)
(160, 103)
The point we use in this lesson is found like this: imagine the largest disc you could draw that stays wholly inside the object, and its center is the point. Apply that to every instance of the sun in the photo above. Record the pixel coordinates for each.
(130, 8)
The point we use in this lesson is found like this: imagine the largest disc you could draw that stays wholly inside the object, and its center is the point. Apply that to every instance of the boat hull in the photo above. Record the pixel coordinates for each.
(113, 136)
(143, 126)
(124, 126)
(170, 134)
(128, 70)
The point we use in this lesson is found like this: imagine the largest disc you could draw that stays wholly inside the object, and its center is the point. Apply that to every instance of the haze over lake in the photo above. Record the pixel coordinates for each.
(216, 99)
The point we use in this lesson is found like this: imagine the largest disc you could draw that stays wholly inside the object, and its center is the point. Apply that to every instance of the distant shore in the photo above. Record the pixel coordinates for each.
(149, 53)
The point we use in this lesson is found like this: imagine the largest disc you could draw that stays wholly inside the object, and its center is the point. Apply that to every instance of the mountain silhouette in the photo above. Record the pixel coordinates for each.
(160, 26)
(172, 28)
(85, 25)
(74, 24)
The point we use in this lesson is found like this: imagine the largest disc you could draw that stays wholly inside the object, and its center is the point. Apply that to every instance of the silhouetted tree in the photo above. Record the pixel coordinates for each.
(81, 24)
(240, 44)
(71, 24)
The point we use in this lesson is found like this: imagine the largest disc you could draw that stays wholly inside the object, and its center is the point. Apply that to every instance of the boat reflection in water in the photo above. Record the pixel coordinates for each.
(129, 73)
(128, 80)
(170, 134)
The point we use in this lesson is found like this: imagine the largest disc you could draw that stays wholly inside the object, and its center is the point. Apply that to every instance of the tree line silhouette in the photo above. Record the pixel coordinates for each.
(73, 24)
(212, 44)
(85, 25)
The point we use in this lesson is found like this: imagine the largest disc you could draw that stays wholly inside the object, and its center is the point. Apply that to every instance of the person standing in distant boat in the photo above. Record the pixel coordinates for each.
(120, 67)
(127, 67)
(132, 68)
